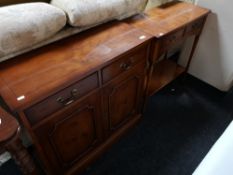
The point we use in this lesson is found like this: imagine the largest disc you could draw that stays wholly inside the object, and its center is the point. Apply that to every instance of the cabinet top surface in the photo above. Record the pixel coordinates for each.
(33, 76)
(164, 19)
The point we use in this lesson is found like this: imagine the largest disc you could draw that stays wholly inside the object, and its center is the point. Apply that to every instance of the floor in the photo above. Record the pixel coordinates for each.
(180, 125)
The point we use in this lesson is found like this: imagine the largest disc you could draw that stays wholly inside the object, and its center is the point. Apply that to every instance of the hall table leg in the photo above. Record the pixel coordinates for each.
(21, 156)
(10, 141)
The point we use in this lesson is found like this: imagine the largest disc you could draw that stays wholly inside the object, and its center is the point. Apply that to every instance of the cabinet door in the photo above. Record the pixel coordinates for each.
(71, 134)
(123, 98)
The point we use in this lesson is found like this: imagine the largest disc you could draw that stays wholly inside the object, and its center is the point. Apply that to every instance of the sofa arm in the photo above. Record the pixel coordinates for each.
(219, 159)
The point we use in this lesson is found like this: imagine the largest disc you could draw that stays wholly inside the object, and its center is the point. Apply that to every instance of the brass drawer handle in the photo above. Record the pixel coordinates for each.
(74, 92)
(125, 66)
(65, 102)
(69, 100)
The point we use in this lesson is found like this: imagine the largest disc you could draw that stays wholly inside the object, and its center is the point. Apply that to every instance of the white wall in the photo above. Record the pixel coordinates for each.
(213, 59)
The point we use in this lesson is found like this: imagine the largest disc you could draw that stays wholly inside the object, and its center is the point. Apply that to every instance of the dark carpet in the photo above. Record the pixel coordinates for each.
(179, 126)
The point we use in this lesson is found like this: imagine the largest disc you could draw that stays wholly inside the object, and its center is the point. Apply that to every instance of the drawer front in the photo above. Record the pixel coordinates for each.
(171, 39)
(124, 63)
(61, 99)
(195, 27)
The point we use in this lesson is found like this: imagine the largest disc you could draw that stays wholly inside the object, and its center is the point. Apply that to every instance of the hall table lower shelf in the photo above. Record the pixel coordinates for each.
(170, 24)
(163, 73)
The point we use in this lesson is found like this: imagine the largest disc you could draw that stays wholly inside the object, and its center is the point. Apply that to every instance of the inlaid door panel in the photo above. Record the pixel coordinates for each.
(72, 133)
(123, 101)
(123, 97)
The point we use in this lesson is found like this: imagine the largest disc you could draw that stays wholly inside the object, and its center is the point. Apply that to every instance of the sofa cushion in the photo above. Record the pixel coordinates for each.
(26, 24)
(88, 12)
(132, 7)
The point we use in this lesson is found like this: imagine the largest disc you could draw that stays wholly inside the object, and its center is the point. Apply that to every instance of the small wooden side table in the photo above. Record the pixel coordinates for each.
(170, 24)
(10, 141)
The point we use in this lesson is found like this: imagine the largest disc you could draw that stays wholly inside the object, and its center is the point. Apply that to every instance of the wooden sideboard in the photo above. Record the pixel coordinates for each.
(77, 96)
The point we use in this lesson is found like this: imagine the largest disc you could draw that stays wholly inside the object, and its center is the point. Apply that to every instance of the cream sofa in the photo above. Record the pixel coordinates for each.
(23, 29)
(123, 9)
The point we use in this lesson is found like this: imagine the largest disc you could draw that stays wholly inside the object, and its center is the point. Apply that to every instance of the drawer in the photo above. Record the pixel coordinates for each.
(195, 27)
(124, 63)
(172, 39)
(61, 99)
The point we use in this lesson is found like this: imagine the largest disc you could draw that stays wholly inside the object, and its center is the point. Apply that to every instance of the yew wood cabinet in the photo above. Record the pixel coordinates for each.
(77, 96)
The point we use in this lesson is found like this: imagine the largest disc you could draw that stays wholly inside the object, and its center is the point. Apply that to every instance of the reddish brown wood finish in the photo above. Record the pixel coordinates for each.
(8, 126)
(38, 112)
(10, 141)
(62, 89)
(170, 24)
(72, 133)
(125, 63)
(167, 18)
(78, 95)
(123, 97)
(163, 73)
(65, 62)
